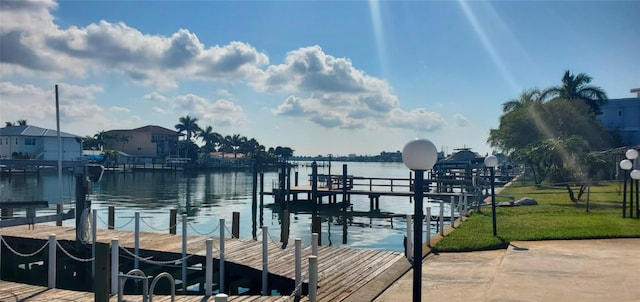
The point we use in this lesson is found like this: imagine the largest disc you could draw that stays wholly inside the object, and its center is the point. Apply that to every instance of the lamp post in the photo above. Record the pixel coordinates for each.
(491, 162)
(418, 155)
(625, 165)
(635, 175)
(632, 155)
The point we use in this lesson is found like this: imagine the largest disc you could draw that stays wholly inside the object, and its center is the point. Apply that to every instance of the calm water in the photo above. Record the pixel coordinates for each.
(208, 196)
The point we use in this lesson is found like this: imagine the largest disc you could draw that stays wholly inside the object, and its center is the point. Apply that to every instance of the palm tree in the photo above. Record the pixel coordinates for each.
(527, 98)
(189, 125)
(22, 122)
(211, 139)
(236, 143)
(576, 87)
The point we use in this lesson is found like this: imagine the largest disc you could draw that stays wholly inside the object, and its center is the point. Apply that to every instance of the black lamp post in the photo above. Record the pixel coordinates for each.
(625, 165)
(491, 162)
(418, 155)
(635, 175)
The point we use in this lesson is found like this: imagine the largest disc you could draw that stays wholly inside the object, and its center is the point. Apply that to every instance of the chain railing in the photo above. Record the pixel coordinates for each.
(21, 254)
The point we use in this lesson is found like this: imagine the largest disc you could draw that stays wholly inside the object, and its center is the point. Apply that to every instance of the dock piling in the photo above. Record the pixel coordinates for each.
(52, 261)
(173, 219)
(115, 265)
(265, 261)
(313, 278)
(111, 218)
(208, 283)
(298, 267)
(222, 227)
(235, 225)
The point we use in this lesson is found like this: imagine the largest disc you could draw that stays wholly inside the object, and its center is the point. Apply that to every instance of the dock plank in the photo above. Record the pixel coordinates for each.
(342, 271)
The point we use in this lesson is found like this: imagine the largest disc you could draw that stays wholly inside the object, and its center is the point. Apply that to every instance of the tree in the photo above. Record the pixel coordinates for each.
(101, 137)
(284, 152)
(22, 122)
(211, 139)
(236, 141)
(189, 125)
(527, 98)
(8, 124)
(576, 87)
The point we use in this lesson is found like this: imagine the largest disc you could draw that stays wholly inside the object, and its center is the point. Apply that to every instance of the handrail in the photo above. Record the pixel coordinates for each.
(171, 281)
(133, 274)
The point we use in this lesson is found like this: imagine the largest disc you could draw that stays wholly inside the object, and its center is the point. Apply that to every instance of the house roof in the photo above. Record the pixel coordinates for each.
(29, 130)
(149, 128)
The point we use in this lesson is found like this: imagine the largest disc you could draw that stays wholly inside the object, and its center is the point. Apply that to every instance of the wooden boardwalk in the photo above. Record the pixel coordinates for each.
(344, 274)
(14, 292)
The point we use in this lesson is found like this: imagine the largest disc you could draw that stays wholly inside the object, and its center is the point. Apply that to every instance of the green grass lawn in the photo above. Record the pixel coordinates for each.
(555, 217)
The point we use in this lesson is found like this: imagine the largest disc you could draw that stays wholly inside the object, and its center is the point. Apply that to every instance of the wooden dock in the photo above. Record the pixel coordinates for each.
(14, 292)
(344, 274)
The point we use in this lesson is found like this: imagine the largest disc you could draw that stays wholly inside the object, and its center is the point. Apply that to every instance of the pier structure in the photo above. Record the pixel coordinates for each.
(262, 269)
(462, 180)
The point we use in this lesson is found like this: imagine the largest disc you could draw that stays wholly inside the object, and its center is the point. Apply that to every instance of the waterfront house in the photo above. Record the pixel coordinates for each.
(31, 142)
(622, 118)
(146, 143)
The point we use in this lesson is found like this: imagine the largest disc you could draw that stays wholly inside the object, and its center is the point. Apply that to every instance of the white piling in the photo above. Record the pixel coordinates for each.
(136, 261)
(221, 298)
(314, 244)
(115, 264)
(184, 254)
(409, 247)
(52, 261)
(265, 264)
(298, 281)
(452, 211)
(222, 228)
(428, 216)
(442, 218)
(94, 237)
(313, 278)
(208, 278)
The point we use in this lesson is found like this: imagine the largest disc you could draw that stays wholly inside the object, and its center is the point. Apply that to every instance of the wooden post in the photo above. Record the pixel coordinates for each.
(59, 210)
(208, 283)
(284, 233)
(221, 298)
(314, 244)
(235, 225)
(313, 278)
(111, 218)
(173, 219)
(101, 283)
(136, 242)
(408, 249)
(314, 187)
(316, 227)
(184, 254)
(115, 265)
(298, 268)
(265, 261)
(52, 261)
(221, 281)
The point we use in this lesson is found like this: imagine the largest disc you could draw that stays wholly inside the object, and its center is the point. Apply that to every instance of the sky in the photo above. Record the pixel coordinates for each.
(327, 77)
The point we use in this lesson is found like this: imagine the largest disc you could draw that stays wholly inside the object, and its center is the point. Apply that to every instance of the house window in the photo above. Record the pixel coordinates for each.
(16, 140)
(29, 141)
(619, 112)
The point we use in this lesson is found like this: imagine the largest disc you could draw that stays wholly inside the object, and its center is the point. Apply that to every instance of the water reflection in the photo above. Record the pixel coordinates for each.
(207, 197)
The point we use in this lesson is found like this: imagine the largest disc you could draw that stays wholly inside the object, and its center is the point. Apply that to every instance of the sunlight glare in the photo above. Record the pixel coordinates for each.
(376, 21)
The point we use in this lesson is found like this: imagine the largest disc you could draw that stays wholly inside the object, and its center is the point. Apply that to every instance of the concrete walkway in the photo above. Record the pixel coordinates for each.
(575, 270)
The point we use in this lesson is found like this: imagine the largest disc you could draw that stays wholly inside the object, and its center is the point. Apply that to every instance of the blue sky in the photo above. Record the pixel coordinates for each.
(330, 77)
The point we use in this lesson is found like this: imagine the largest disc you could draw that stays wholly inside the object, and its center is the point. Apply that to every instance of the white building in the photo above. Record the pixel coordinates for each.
(31, 142)
(622, 117)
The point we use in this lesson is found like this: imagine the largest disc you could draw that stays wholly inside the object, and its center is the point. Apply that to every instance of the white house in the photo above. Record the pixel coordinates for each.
(31, 142)
(622, 117)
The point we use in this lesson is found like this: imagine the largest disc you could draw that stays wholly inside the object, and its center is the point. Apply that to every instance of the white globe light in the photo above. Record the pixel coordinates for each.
(419, 154)
(631, 154)
(626, 164)
(635, 174)
(490, 161)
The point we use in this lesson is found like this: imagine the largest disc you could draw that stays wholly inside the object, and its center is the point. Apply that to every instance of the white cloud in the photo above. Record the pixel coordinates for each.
(219, 113)
(326, 90)
(461, 120)
(118, 109)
